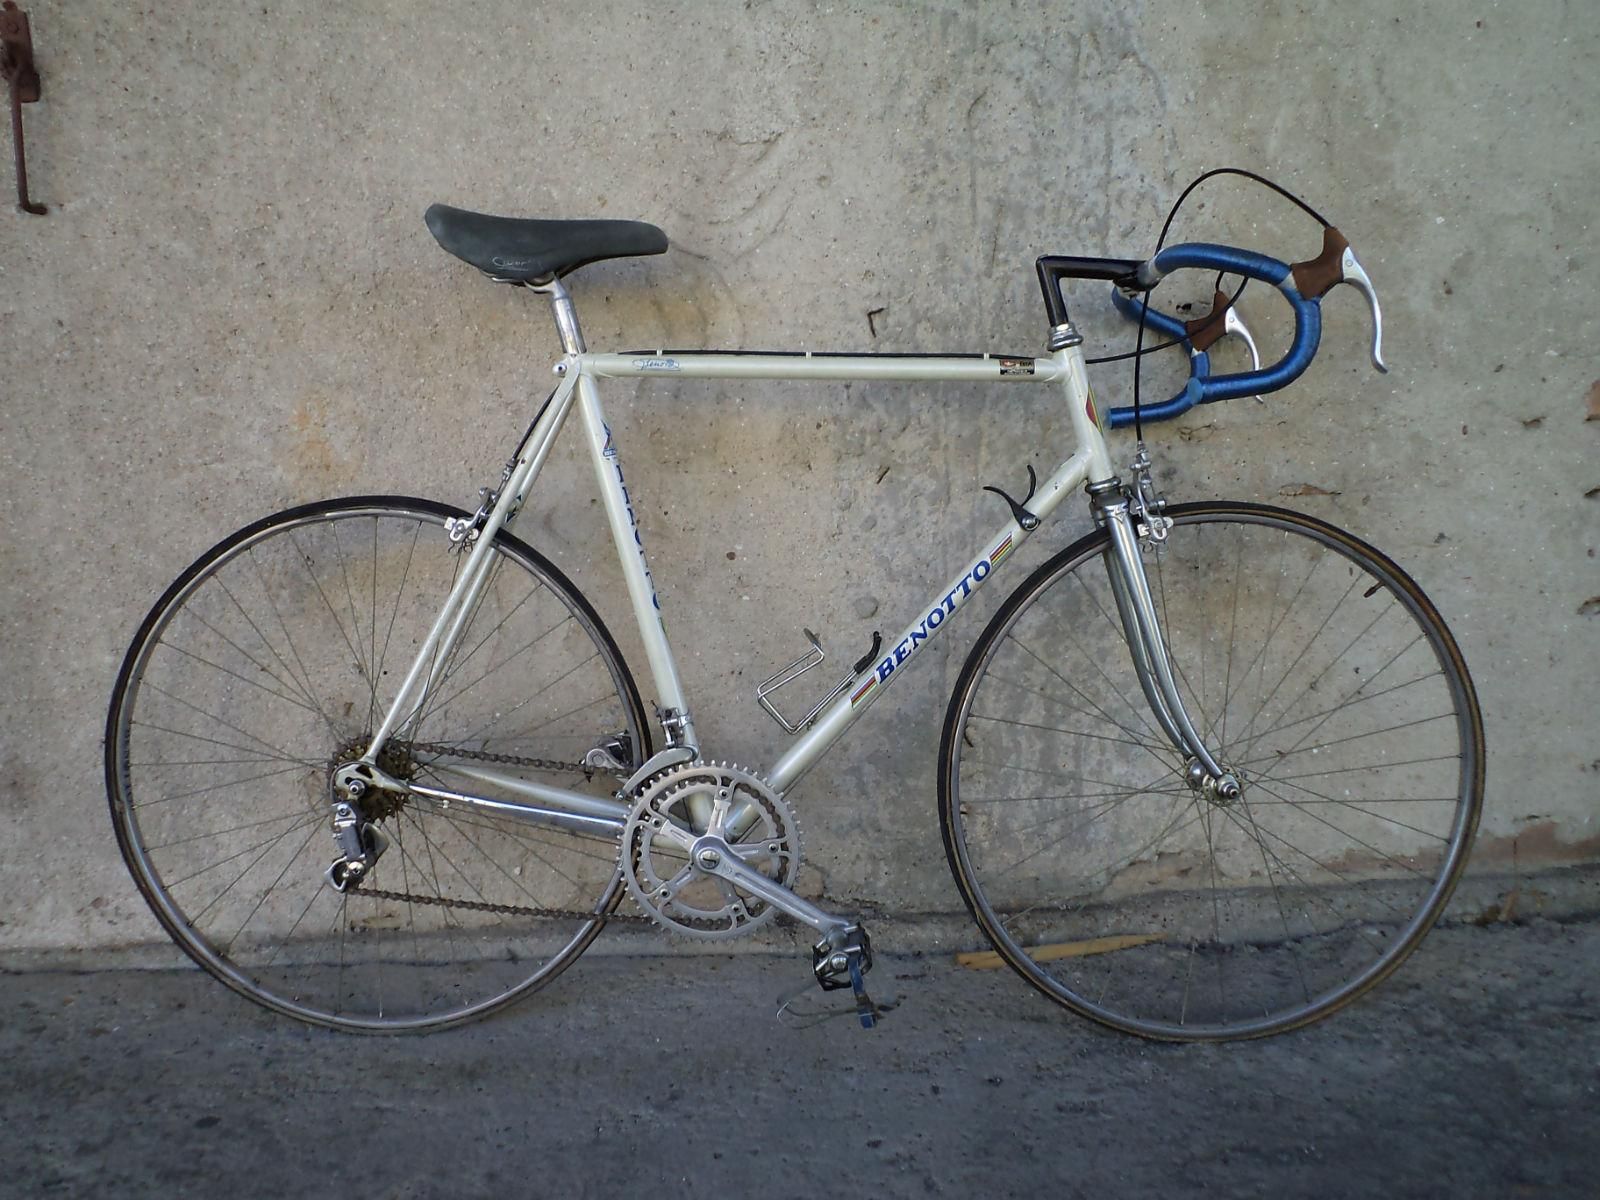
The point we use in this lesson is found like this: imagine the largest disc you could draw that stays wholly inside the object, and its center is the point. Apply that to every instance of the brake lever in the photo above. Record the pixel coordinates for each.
(1233, 326)
(1337, 264)
(1356, 276)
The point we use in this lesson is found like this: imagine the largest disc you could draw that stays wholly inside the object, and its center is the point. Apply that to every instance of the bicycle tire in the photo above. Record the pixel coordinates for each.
(1117, 889)
(270, 658)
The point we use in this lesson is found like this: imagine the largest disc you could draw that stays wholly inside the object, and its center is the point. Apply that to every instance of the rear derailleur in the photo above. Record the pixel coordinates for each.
(360, 842)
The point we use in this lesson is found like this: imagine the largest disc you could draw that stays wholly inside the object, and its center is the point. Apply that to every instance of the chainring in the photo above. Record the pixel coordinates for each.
(683, 803)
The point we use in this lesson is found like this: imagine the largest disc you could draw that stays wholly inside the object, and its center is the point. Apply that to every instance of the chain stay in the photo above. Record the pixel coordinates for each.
(508, 910)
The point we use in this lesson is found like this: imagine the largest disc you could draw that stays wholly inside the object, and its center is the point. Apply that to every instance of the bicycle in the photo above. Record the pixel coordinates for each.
(1210, 772)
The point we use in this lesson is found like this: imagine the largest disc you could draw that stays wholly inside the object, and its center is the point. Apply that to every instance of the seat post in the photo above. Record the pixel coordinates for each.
(565, 314)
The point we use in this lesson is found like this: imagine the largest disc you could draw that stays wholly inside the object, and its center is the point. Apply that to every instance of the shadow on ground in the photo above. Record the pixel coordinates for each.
(1474, 1072)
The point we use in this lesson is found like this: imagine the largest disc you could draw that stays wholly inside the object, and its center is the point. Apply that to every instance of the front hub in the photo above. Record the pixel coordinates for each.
(1222, 790)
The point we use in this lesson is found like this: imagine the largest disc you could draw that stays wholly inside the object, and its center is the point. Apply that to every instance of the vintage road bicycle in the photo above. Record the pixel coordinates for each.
(1210, 772)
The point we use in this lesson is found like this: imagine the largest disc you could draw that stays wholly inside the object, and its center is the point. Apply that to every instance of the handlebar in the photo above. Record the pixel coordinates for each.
(1303, 285)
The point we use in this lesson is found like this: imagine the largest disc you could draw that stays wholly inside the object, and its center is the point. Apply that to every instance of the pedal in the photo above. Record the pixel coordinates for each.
(842, 961)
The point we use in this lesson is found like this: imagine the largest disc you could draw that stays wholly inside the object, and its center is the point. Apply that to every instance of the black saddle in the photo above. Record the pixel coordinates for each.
(528, 251)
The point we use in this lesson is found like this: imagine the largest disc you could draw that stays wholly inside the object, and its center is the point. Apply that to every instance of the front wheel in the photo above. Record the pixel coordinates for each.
(270, 661)
(1320, 676)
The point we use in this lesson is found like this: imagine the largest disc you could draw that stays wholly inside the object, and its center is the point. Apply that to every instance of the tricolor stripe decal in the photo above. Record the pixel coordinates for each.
(1000, 551)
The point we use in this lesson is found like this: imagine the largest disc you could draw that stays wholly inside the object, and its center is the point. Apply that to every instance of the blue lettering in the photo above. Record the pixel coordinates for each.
(981, 571)
(901, 652)
(935, 618)
(919, 634)
(885, 669)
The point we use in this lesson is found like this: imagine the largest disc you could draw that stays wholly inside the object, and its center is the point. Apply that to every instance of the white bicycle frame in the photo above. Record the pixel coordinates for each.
(579, 372)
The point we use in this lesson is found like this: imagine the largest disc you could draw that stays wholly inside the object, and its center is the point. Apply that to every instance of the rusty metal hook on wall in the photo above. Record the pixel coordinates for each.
(16, 67)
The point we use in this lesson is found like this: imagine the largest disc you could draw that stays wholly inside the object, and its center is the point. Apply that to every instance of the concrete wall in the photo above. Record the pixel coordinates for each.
(233, 305)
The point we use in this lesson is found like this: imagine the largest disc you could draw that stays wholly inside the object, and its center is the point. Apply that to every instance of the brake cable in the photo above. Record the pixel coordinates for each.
(1144, 300)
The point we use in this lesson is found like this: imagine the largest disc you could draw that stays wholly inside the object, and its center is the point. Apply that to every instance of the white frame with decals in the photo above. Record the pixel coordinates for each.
(578, 373)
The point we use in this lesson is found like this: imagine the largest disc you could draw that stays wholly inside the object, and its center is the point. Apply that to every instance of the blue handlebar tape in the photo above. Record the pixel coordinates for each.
(1202, 388)
(1167, 327)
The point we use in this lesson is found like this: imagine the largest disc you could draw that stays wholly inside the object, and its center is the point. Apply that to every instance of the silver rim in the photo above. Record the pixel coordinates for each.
(249, 678)
(1319, 672)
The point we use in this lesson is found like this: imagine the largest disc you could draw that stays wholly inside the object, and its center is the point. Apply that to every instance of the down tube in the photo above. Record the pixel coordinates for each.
(869, 684)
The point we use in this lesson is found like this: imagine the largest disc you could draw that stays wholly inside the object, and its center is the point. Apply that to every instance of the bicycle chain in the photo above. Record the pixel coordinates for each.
(510, 760)
(507, 910)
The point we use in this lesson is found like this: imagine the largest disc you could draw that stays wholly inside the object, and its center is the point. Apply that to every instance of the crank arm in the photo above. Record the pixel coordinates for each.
(716, 857)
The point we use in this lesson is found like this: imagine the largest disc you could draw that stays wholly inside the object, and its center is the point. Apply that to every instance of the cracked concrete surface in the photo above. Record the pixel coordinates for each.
(1471, 1074)
(234, 306)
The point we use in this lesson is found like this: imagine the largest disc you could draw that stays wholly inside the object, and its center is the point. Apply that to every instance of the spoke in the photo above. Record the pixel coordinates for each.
(399, 594)
(1379, 766)
(294, 651)
(1304, 649)
(231, 783)
(316, 894)
(1170, 828)
(152, 847)
(1173, 791)
(447, 919)
(1266, 644)
(1094, 710)
(405, 886)
(516, 883)
(1311, 890)
(1342, 920)
(530, 730)
(523, 834)
(1074, 733)
(366, 665)
(267, 891)
(210, 716)
(305, 561)
(266, 849)
(215, 832)
(513, 656)
(534, 694)
(1342, 832)
(1120, 640)
(1099, 810)
(273, 755)
(1216, 906)
(459, 663)
(268, 843)
(1349, 696)
(1280, 755)
(197, 762)
(1277, 898)
(255, 683)
(1233, 628)
(1352, 700)
(1334, 661)
(303, 686)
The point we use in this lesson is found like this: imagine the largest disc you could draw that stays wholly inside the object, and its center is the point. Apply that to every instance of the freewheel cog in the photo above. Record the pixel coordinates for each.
(688, 802)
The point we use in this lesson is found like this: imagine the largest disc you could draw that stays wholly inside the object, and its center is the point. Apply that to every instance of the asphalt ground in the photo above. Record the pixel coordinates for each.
(1475, 1071)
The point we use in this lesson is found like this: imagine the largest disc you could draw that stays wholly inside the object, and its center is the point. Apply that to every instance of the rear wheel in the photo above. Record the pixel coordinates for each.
(270, 661)
(1319, 674)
